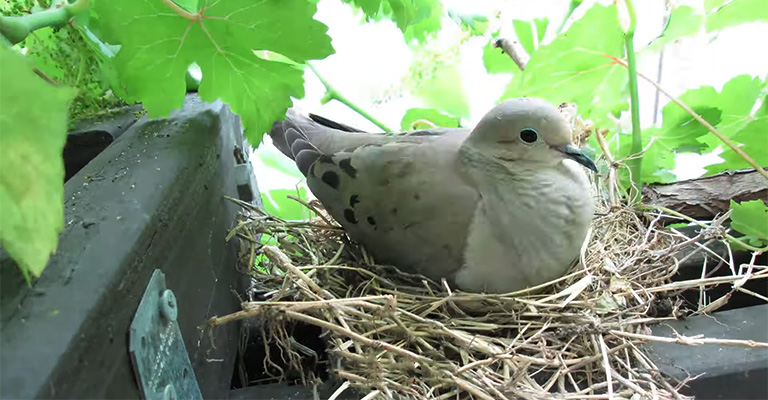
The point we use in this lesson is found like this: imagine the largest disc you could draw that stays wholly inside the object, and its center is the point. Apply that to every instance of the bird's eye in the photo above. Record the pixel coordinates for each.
(529, 135)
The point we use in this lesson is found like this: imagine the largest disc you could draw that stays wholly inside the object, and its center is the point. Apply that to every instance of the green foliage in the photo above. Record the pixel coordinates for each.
(158, 45)
(751, 219)
(475, 23)
(33, 129)
(724, 13)
(525, 33)
(495, 61)
(683, 21)
(284, 207)
(436, 79)
(68, 58)
(413, 119)
(577, 67)
(417, 19)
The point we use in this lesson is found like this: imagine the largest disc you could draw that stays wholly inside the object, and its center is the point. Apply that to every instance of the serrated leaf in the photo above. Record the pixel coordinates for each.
(33, 129)
(658, 159)
(476, 24)
(414, 115)
(683, 21)
(417, 19)
(750, 218)
(158, 45)
(524, 34)
(728, 111)
(722, 14)
(753, 140)
(443, 90)
(496, 61)
(577, 67)
(284, 207)
(541, 28)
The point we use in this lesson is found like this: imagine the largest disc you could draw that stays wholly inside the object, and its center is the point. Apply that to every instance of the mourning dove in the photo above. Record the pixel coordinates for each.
(495, 209)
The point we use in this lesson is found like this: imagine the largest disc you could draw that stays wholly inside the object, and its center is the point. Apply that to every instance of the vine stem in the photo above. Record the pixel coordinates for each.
(332, 94)
(16, 29)
(728, 142)
(635, 164)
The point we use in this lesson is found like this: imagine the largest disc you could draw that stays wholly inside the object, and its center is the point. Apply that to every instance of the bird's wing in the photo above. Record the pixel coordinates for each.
(401, 196)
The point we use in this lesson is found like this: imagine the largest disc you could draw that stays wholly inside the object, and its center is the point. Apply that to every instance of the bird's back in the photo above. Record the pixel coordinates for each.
(401, 196)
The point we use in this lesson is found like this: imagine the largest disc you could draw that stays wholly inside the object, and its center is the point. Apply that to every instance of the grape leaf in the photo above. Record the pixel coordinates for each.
(524, 32)
(683, 21)
(414, 115)
(577, 67)
(754, 141)
(722, 14)
(658, 159)
(728, 111)
(417, 19)
(443, 90)
(496, 61)
(476, 23)
(750, 218)
(284, 207)
(33, 129)
(158, 44)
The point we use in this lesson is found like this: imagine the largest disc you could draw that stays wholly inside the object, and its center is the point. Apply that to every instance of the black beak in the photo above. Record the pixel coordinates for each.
(575, 154)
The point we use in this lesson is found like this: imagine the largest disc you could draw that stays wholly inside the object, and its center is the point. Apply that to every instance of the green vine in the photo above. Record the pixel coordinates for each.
(636, 163)
(332, 94)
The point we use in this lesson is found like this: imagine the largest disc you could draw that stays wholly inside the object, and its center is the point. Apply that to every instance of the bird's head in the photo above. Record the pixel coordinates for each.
(526, 130)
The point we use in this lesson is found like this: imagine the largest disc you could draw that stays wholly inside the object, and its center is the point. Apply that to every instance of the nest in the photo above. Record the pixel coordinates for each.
(395, 335)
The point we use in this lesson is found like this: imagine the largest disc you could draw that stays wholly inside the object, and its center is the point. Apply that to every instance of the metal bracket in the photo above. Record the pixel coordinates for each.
(157, 349)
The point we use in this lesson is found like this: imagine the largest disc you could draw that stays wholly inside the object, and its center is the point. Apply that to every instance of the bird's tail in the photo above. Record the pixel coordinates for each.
(292, 136)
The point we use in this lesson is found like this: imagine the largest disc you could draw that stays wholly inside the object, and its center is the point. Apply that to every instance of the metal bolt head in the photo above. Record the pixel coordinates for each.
(169, 393)
(168, 305)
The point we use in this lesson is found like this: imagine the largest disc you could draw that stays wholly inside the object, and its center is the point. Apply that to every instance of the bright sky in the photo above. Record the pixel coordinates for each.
(372, 59)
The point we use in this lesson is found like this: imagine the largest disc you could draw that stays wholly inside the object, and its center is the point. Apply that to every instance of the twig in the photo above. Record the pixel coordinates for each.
(692, 341)
(736, 149)
(513, 50)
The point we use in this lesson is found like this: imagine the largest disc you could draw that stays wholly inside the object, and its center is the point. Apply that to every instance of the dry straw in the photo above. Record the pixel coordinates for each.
(395, 335)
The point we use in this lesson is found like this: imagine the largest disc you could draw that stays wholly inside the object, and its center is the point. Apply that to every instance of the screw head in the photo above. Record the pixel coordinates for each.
(169, 393)
(168, 305)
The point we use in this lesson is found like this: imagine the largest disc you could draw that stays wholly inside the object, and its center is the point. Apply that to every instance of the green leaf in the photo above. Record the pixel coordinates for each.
(750, 218)
(577, 67)
(158, 45)
(285, 207)
(524, 34)
(189, 5)
(476, 24)
(728, 111)
(541, 28)
(33, 129)
(683, 21)
(495, 61)
(412, 118)
(417, 19)
(722, 14)
(658, 159)
(443, 90)
(754, 141)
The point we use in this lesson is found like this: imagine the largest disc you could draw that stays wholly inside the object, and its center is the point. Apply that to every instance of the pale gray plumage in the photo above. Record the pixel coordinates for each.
(482, 208)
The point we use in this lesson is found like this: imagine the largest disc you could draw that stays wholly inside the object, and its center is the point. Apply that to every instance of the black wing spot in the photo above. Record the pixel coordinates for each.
(371, 221)
(349, 215)
(325, 158)
(416, 196)
(354, 199)
(331, 179)
(394, 210)
(346, 166)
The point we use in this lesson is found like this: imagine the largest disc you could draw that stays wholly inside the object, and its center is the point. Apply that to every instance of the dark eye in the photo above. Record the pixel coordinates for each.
(528, 135)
